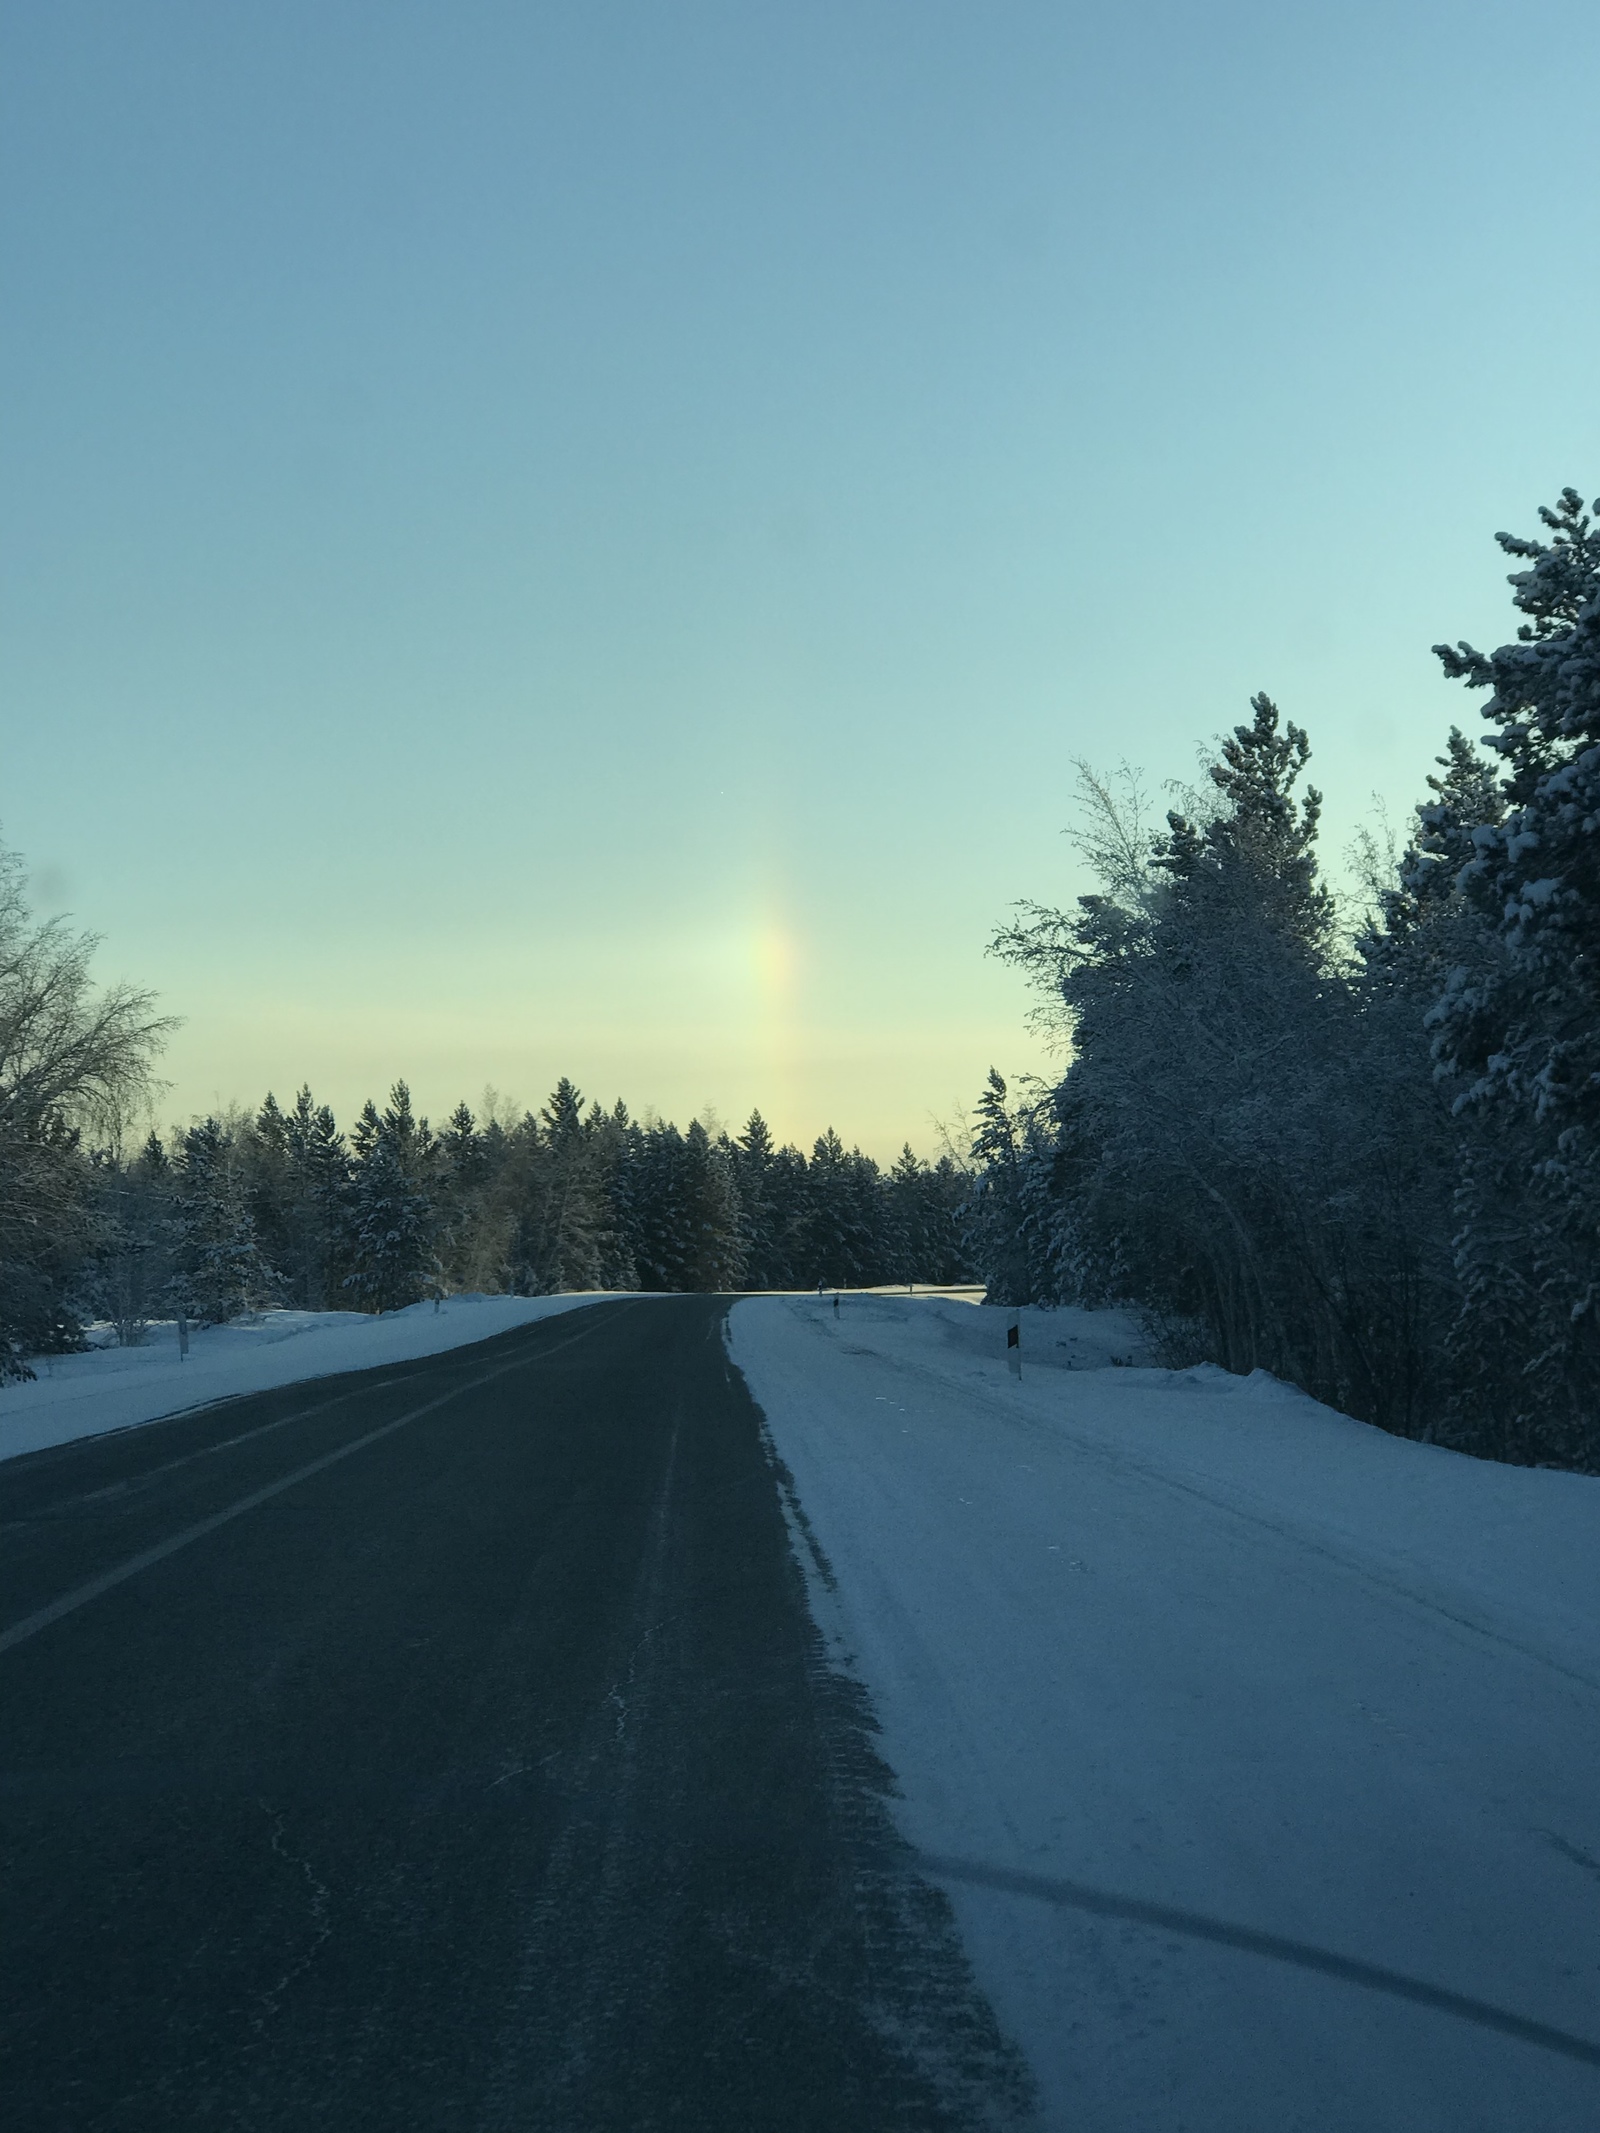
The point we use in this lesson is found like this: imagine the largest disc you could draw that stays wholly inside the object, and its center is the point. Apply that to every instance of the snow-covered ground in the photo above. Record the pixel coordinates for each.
(1193, 1642)
(114, 1388)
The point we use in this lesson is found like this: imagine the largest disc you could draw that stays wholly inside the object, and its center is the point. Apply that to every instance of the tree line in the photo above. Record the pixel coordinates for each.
(1360, 1150)
(281, 1207)
(1358, 1147)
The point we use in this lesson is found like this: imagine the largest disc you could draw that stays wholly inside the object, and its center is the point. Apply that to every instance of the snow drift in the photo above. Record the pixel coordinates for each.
(1198, 1647)
(115, 1388)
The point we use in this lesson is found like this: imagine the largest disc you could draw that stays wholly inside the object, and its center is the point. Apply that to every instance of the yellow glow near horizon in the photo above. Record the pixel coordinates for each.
(752, 1008)
(601, 563)
(775, 959)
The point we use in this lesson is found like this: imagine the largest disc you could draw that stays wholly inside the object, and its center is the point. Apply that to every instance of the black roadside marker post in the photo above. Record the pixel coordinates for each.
(1014, 1348)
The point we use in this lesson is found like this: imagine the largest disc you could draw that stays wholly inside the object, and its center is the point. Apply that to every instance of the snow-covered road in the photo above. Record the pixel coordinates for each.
(1183, 1641)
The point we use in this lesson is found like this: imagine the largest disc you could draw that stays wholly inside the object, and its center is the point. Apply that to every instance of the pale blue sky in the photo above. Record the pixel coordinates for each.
(585, 538)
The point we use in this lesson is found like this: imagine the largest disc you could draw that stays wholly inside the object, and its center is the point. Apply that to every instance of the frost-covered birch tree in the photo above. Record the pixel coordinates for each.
(76, 1063)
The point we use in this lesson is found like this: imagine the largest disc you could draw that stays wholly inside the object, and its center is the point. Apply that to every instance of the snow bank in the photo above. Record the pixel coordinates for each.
(114, 1388)
(1193, 1641)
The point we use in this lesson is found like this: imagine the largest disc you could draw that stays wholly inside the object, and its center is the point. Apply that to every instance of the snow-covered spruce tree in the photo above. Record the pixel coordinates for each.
(942, 1254)
(1424, 927)
(662, 1230)
(1013, 1216)
(263, 1155)
(907, 1245)
(610, 1146)
(1236, 1151)
(622, 1157)
(1001, 1230)
(833, 1240)
(925, 1216)
(716, 1230)
(71, 1060)
(574, 1216)
(1420, 929)
(296, 1168)
(1517, 1028)
(562, 1235)
(217, 1266)
(473, 1232)
(312, 1242)
(689, 1232)
(753, 1155)
(845, 1239)
(128, 1278)
(390, 1217)
(615, 1144)
(486, 1254)
(1335, 1143)
(788, 1188)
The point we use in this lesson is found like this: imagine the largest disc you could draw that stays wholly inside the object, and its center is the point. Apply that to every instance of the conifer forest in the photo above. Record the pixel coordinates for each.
(1351, 1137)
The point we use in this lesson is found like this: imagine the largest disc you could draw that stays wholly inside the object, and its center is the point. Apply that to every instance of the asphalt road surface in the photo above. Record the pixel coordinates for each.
(450, 1746)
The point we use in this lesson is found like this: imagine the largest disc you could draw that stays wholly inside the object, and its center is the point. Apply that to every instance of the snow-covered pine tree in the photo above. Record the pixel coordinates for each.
(828, 1248)
(753, 1154)
(389, 1210)
(1015, 1223)
(1256, 852)
(943, 1257)
(127, 1278)
(1421, 928)
(473, 1233)
(572, 1217)
(788, 1185)
(716, 1244)
(995, 1225)
(263, 1154)
(1425, 926)
(610, 1138)
(844, 1240)
(523, 1187)
(617, 1154)
(927, 1213)
(662, 1213)
(1518, 1027)
(562, 1220)
(314, 1229)
(908, 1248)
(1233, 1147)
(217, 1266)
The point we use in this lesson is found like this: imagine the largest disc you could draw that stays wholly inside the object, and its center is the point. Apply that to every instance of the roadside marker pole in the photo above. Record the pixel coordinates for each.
(1014, 1348)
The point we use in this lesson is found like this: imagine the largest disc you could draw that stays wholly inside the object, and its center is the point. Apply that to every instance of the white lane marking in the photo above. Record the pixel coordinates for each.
(206, 1451)
(81, 1595)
